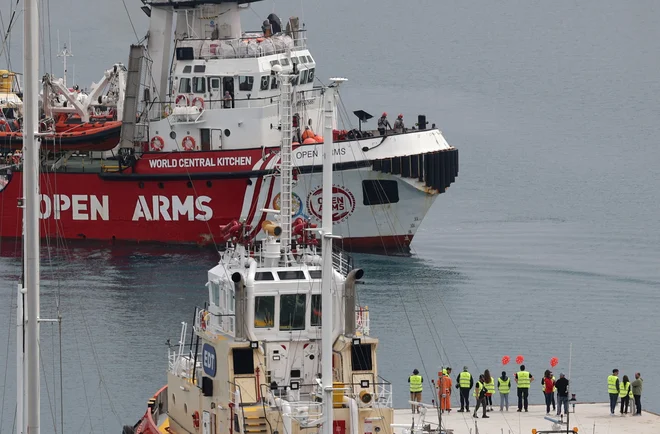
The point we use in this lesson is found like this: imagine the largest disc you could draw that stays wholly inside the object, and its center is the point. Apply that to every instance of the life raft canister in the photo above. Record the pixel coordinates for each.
(157, 143)
(195, 419)
(188, 143)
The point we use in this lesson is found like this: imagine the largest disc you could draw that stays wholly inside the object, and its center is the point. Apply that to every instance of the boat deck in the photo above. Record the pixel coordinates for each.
(592, 418)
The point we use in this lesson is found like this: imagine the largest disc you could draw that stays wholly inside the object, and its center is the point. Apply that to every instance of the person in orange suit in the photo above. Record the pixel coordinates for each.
(444, 389)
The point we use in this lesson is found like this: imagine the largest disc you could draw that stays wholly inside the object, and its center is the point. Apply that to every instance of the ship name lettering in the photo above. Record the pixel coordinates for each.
(187, 163)
(81, 206)
(163, 208)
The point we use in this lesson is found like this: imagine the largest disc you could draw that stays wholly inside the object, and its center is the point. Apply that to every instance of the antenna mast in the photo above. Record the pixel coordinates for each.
(66, 52)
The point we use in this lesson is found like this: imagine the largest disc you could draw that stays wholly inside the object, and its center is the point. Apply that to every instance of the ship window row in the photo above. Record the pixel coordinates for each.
(197, 68)
(292, 311)
(286, 275)
(245, 82)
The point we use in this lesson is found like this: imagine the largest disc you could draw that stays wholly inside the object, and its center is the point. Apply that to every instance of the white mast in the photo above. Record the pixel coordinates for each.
(66, 52)
(20, 367)
(31, 236)
(327, 273)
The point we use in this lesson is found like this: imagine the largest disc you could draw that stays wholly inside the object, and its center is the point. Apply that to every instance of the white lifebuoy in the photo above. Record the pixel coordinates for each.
(157, 143)
(201, 102)
(188, 143)
(182, 97)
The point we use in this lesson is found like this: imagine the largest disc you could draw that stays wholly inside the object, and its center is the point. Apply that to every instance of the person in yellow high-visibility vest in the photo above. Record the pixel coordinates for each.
(504, 387)
(524, 380)
(416, 385)
(613, 389)
(464, 383)
(625, 393)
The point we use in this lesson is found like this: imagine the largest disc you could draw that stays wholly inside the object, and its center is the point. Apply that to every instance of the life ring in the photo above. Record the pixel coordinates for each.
(195, 419)
(201, 102)
(188, 143)
(157, 143)
(182, 97)
(167, 110)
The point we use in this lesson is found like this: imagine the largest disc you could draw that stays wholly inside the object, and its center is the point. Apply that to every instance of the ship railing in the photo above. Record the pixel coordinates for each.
(362, 320)
(213, 324)
(252, 45)
(384, 395)
(306, 413)
(342, 261)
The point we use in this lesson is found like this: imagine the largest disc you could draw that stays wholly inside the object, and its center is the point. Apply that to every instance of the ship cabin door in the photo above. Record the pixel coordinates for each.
(215, 92)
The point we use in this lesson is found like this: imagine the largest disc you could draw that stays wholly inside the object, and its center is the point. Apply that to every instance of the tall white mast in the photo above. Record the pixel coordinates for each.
(327, 273)
(31, 236)
(66, 52)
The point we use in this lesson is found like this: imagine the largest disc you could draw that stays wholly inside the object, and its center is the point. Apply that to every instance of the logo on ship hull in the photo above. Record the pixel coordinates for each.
(343, 203)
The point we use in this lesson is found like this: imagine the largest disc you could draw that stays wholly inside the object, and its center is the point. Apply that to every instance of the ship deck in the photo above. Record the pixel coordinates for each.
(592, 418)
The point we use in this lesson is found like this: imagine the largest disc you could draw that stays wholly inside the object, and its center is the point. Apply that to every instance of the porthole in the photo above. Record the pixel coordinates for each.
(209, 184)
(173, 135)
(227, 132)
(141, 184)
(161, 185)
(189, 184)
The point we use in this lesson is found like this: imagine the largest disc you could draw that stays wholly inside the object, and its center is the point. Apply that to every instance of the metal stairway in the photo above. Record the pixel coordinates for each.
(254, 420)
(286, 164)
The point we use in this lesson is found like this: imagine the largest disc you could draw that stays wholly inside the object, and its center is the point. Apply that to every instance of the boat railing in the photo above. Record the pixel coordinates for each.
(251, 45)
(213, 324)
(306, 413)
(362, 320)
(342, 261)
(383, 396)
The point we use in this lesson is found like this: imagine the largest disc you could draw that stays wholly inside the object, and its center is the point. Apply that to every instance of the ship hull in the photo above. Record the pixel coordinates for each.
(376, 209)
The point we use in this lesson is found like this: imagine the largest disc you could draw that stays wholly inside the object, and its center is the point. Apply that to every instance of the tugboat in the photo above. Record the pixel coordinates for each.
(199, 142)
(281, 346)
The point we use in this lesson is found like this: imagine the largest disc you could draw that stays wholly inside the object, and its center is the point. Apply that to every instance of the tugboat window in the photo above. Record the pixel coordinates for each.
(199, 68)
(285, 62)
(291, 275)
(243, 361)
(303, 77)
(292, 312)
(361, 357)
(264, 311)
(273, 84)
(315, 274)
(187, 69)
(215, 293)
(245, 82)
(310, 77)
(377, 192)
(265, 82)
(184, 86)
(263, 275)
(316, 310)
(199, 85)
(274, 62)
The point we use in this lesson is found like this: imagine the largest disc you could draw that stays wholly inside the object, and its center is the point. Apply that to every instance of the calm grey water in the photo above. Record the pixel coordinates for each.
(549, 237)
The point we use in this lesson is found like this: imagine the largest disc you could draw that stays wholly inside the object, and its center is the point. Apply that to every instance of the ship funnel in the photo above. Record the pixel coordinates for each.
(271, 228)
(349, 300)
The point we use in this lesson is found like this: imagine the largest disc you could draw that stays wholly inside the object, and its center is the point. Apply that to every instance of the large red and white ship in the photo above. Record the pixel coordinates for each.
(200, 143)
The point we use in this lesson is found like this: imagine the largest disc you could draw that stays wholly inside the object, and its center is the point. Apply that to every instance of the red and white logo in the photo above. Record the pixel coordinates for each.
(343, 203)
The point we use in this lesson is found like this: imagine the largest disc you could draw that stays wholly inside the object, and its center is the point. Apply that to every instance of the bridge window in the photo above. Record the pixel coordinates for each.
(184, 86)
(285, 62)
(315, 274)
(303, 77)
(378, 192)
(309, 59)
(291, 275)
(310, 76)
(199, 85)
(265, 82)
(264, 311)
(199, 68)
(273, 83)
(245, 82)
(274, 62)
(316, 310)
(263, 275)
(292, 312)
(187, 69)
(215, 292)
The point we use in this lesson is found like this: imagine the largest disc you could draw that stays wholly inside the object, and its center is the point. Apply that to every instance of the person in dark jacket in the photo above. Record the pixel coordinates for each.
(637, 393)
(464, 387)
(562, 393)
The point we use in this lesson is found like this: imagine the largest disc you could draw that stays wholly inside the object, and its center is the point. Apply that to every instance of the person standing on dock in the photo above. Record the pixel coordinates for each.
(625, 392)
(480, 392)
(562, 393)
(489, 382)
(444, 389)
(416, 385)
(548, 390)
(613, 389)
(464, 383)
(504, 387)
(637, 393)
(524, 380)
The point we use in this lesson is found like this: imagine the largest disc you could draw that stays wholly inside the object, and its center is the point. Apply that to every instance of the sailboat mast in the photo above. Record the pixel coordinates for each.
(326, 282)
(31, 236)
